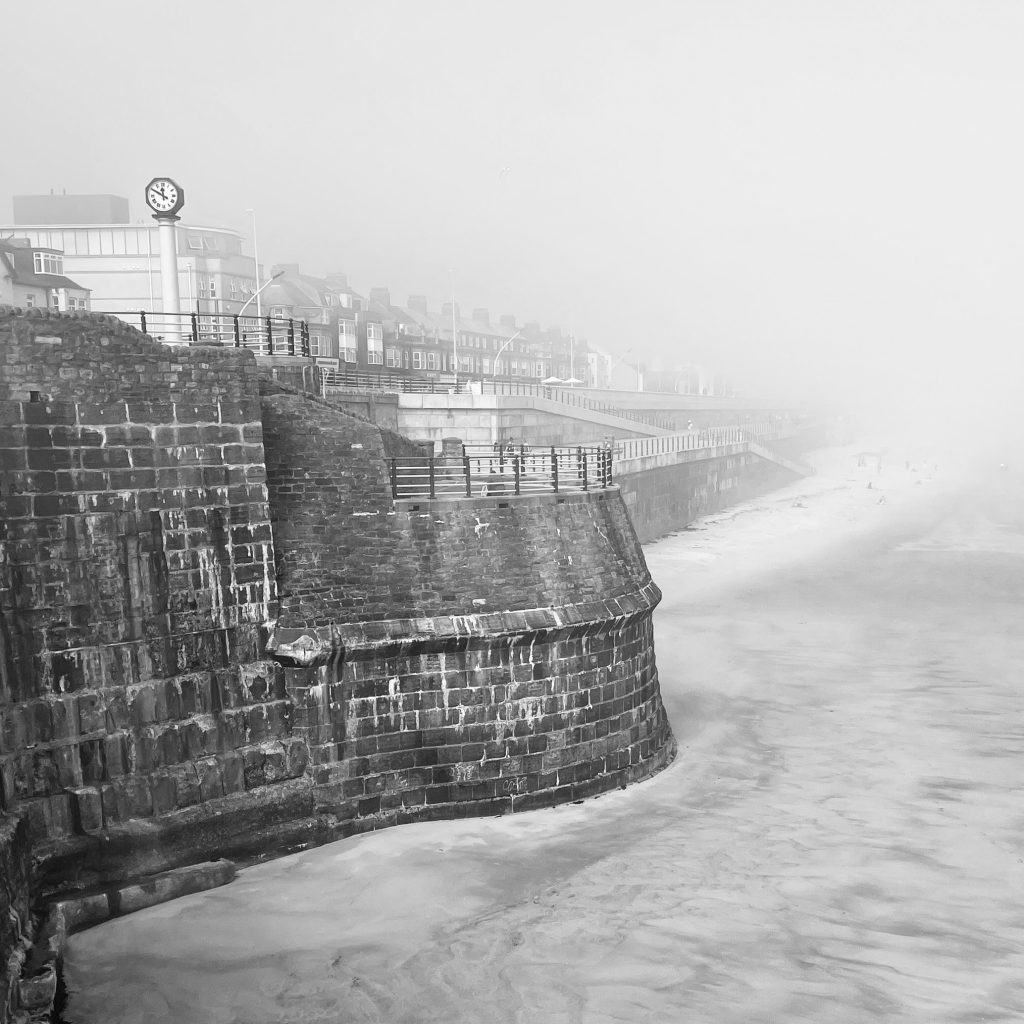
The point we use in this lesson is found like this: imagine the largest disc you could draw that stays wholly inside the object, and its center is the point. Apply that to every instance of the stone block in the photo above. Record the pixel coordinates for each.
(211, 782)
(89, 808)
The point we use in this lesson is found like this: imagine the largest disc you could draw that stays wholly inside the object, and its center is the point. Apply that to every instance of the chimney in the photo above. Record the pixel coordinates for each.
(507, 320)
(380, 296)
(482, 316)
(532, 327)
(418, 302)
(446, 310)
(336, 280)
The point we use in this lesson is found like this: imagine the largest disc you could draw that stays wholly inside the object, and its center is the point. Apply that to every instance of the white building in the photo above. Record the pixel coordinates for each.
(119, 262)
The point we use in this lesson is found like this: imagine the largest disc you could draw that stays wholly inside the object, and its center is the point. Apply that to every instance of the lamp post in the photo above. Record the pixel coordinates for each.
(500, 350)
(256, 257)
(256, 294)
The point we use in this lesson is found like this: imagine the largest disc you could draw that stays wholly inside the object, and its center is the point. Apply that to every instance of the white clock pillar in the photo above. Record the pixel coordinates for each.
(169, 274)
(165, 197)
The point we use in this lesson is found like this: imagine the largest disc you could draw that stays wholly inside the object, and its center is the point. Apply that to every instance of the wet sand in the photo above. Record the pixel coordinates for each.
(839, 840)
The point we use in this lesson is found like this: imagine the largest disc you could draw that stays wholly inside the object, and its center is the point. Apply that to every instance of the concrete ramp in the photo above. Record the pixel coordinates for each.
(794, 465)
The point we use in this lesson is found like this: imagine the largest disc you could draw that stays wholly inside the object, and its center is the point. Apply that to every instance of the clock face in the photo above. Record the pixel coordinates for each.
(163, 195)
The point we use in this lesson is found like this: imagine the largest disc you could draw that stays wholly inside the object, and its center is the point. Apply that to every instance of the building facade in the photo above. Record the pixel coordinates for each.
(33, 277)
(118, 261)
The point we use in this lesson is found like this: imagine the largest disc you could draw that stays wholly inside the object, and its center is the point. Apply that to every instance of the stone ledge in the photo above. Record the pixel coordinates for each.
(78, 912)
(318, 645)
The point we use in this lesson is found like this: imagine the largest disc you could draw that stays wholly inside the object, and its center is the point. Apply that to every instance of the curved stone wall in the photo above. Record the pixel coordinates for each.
(452, 657)
(220, 636)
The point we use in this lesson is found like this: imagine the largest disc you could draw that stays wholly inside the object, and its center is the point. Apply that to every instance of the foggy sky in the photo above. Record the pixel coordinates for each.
(806, 194)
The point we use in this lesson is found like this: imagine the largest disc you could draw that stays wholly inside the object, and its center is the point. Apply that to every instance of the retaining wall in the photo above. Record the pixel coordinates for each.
(467, 656)
(220, 636)
(673, 490)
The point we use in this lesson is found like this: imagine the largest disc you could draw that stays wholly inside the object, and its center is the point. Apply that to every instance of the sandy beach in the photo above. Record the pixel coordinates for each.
(838, 840)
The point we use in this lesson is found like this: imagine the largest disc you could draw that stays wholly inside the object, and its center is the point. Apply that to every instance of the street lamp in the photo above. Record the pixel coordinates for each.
(256, 256)
(500, 350)
(256, 294)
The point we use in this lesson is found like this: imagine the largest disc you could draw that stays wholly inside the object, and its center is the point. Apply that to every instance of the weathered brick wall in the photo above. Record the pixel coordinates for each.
(469, 656)
(136, 575)
(667, 498)
(158, 517)
(521, 715)
(345, 553)
(92, 359)
(15, 905)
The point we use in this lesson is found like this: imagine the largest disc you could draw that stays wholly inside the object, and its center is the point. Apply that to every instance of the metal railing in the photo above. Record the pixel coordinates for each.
(335, 381)
(264, 335)
(495, 471)
(360, 380)
(691, 440)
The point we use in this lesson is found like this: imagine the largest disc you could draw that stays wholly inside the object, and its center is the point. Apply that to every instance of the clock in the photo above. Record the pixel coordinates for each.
(165, 197)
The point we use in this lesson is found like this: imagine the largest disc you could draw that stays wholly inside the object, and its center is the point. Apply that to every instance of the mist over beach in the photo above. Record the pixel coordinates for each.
(836, 839)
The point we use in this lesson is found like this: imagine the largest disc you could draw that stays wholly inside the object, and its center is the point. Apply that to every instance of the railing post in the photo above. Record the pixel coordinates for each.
(195, 327)
(465, 467)
(305, 339)
(583, 452)
(238, 335)
(142, 315)
(394, 478)
(433, 491)
(516, 469)
(270, 337)
(291, 336)
(554, 467)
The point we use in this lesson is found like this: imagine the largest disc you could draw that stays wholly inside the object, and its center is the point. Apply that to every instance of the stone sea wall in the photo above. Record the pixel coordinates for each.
(220, 636)
(665, 498)
(453, 657)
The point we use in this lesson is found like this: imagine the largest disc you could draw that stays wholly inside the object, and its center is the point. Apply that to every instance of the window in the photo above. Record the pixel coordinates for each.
(213, 288)
(48, 263)
(375, 344)
(485, 365)
(393, 357)
(319, 345)
(417, 360)
(515, 368)
(347, 340)
(538, 370)
(54, 298)
(195, 242)
(30, 301)
(431, 360)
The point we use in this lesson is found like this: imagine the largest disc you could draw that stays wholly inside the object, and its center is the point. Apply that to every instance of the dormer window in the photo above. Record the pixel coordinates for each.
(48, 263)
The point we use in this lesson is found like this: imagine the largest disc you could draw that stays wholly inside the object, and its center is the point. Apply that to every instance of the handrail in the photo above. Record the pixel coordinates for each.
(692, 440)
(264, 335)
(336, 381)
(499, 471)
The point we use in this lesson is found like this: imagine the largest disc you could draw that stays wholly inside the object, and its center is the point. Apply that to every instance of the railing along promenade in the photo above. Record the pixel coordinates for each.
(266, 336)
(489, 470)
(338, 382)
(712, 437)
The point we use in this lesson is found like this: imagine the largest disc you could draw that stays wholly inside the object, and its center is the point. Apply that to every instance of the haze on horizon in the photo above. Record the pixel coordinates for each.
(816, 198)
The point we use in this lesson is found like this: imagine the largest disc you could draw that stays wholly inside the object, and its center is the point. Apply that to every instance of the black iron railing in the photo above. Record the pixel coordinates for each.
(495, 471)
(264, 335)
